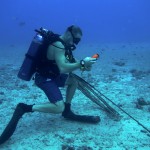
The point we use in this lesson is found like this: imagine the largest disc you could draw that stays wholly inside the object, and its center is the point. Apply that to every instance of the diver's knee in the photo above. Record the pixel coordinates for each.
(74, 82)
(60, 106)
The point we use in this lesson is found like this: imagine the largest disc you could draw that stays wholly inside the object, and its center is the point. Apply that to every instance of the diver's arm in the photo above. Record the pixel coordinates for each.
(62, 63)
(66, 67)
(59, 56)
(86, 68)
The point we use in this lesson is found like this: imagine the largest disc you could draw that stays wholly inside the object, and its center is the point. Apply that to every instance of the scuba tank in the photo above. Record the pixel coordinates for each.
(32, 56)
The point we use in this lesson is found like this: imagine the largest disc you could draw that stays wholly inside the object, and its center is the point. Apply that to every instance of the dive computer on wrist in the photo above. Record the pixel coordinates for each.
(82, 63)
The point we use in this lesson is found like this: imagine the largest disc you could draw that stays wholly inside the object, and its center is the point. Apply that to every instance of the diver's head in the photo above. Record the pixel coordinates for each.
(76, 34)
(72, 36)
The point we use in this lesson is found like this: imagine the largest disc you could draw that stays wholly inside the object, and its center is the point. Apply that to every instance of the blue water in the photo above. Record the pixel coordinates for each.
(119, 30)
(100, 20)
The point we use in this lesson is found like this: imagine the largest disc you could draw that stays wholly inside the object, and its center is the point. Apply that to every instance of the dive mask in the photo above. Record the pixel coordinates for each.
(75, 39)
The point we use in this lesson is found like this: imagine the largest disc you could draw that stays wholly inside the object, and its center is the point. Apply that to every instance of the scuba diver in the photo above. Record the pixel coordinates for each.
(50, 73)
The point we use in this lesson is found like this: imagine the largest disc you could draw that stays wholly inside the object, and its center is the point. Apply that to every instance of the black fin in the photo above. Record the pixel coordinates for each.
(10, 128)
(81, 118)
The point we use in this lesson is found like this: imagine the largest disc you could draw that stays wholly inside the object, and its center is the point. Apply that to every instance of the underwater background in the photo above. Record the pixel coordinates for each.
(118, 30)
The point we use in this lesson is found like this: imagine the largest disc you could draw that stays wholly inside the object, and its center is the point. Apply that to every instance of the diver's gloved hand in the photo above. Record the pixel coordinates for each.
(89, 61)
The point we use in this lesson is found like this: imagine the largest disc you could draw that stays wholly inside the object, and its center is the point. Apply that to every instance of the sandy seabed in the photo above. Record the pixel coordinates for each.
(122, 74)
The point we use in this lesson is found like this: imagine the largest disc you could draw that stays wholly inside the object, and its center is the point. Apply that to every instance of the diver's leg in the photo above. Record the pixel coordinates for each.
(10, 128)
(71, 88)
(51, 88)
(21, 109)
(55, 108)
(67, 113)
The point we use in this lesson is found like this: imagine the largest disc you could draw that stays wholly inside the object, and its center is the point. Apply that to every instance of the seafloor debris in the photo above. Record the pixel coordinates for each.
(67, 147)
(138, 74)
(141, 102)
(119, 63)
